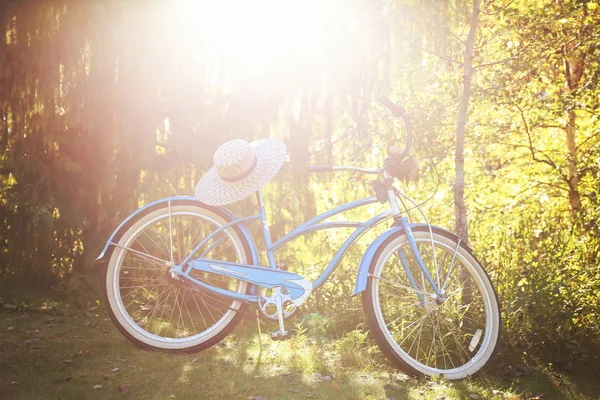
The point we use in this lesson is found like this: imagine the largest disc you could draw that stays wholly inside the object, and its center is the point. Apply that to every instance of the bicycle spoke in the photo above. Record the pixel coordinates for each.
(400, 318)
(459, 346)
(415, 328)
(160, 227)
(156, 245)
(173, 308)
(162, 311)
(178, 234)
(462, 269)
(431, 334)
(199, 311)
(416, 301)
(167, 312)
(427, 360)
(140, 286)
(158, 303)
(401, 286)
(162, 262)
(179, 306)
(418, 337)
(144, 293)
(151, 281)
(420, 333)
(139, 242)
(189, 315)
(444, 350)
(170, 233)
(195, 236)
(133, 278)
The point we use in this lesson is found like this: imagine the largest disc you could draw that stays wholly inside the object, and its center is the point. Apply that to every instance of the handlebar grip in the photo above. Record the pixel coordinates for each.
(397, 110)
(320, 168)
(395, 151)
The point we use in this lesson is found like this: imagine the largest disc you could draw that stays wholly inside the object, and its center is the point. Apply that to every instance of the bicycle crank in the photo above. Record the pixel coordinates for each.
(277, 303)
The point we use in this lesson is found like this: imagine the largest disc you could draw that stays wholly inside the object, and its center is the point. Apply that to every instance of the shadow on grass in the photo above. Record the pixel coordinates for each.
(543, 381)
(50, 350)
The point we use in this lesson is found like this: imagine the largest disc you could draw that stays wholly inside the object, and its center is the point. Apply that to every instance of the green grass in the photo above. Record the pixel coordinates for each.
(50, 350)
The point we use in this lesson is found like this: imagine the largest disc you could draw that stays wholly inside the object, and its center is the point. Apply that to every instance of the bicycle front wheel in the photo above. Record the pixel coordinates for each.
(453, 336)
(156, 310)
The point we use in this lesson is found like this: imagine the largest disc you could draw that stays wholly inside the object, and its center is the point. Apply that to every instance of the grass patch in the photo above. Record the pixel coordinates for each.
(50, 350)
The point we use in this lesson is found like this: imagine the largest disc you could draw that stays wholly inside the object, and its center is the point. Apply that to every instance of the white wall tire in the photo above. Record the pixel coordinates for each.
(156, 312)
(455, 339)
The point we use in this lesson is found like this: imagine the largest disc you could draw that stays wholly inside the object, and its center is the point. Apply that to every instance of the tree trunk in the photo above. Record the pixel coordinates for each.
(459, 160)
(572, 177)
(4, 117)
(574, 71)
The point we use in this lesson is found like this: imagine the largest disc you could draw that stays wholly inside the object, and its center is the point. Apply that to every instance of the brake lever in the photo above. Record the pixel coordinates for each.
(406, 170)
(395, 151)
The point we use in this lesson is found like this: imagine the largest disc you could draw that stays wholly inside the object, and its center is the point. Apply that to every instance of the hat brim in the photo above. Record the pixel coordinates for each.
(214, 191)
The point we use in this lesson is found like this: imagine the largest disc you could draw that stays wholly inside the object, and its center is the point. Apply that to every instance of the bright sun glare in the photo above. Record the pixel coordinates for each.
(259, 32)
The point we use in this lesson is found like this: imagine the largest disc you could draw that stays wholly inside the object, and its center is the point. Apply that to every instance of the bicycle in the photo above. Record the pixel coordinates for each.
(180, 274)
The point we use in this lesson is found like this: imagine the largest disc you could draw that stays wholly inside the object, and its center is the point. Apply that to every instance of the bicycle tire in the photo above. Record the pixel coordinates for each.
(147, 234)
(467, 342)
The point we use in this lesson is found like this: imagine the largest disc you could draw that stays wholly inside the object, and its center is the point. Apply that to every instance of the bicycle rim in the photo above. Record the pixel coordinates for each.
(151, 306)
(454, 337)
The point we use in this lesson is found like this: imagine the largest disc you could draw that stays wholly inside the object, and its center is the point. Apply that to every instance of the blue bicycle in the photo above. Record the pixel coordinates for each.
(181, 273)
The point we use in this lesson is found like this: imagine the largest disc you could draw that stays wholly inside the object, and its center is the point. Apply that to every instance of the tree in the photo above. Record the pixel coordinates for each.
(459, 186)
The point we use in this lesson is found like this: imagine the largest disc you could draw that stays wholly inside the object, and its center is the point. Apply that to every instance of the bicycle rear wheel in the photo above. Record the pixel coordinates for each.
(454, 337)
(153, 309)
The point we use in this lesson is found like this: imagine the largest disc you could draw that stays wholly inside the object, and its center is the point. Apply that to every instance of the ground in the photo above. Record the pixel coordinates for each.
(51, 348)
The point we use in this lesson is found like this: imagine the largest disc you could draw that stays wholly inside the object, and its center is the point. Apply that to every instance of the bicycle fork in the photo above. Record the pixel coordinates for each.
(426, 275)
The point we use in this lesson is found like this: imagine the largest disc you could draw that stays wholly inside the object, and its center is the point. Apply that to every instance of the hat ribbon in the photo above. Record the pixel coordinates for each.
(245, 174)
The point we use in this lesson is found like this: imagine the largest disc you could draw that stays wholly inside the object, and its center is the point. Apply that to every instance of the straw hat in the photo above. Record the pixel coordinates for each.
(240, 169)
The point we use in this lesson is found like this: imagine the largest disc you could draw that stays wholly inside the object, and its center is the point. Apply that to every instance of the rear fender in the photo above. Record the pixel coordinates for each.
(177, 200)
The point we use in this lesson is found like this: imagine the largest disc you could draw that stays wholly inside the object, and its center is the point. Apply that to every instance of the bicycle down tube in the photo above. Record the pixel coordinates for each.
(310, 226)
(313, 225)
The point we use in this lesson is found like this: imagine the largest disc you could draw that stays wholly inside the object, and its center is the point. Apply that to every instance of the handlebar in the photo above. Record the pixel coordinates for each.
(330, 168)
(399, 112)
(320, 168)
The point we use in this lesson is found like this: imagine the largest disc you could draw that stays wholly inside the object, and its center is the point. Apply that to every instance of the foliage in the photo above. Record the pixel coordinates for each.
(105, 106)
(352, 348)
(537, 180)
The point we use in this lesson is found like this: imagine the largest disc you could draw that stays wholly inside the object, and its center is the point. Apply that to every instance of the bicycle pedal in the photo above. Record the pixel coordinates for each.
(279, 335)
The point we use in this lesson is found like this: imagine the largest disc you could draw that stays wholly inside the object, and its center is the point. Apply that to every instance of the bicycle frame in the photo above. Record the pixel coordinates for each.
(313, 225)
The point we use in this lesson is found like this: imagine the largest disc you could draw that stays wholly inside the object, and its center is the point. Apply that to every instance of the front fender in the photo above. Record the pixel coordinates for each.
(363, 269)
(107, 250)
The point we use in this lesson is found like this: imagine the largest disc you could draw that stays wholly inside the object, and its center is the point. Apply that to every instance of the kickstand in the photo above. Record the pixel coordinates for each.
(259, 332)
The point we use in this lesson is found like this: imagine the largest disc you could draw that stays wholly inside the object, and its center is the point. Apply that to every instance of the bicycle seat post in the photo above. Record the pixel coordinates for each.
(266, 232)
